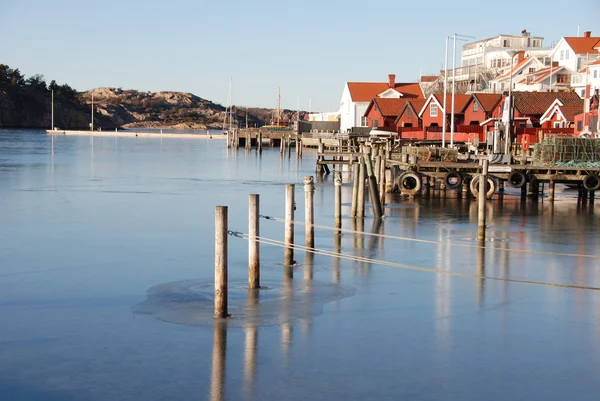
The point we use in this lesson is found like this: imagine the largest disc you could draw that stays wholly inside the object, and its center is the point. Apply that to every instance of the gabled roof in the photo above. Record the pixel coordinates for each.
(365, 91)
(388, 107)
(415, 104)
(582, 45)
(515, 68)
(487, 101)
(537, 103)
(459, 102)
(429, 78)
(567, 113)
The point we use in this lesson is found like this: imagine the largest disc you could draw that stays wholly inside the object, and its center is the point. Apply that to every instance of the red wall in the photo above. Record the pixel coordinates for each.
(414, 119)
(427, 120)
(471, 115)
(374, 114)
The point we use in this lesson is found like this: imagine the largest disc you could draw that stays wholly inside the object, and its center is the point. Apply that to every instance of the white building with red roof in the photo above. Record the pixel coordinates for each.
(574, 52)
(588, 75)
(521, 67)
(357, 96)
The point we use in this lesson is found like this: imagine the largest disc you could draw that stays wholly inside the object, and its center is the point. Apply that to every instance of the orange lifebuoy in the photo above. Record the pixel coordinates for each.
(524, 143)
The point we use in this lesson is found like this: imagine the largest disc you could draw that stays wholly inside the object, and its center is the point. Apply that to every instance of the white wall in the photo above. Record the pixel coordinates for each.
(568, 59)
(346, 110)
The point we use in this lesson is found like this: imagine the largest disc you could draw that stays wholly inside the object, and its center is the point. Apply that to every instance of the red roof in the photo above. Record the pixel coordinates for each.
(487, 101)
(365, 91)
(516, 68)
(537, 103)
(429, 78)
(582, 45)
(389, 107)
(571, 111)
(460, 100)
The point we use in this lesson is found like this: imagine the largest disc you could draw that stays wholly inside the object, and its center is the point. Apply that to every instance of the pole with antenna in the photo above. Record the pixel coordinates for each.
(445, 93)
(52, 108)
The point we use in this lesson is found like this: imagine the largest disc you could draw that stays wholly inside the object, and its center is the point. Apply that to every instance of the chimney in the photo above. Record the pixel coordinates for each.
(520, 56)
(392, 80)
(554, 64)
(587, 34)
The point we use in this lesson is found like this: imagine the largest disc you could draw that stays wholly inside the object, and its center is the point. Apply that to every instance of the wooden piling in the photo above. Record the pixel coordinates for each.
(551, 188)
(337, 181)
(288, 256)
(309, 211)
(355, 185)
(253, 245)
(481, 201)
(373, 190)
(360, 211)
(220, 302)
(260, 139)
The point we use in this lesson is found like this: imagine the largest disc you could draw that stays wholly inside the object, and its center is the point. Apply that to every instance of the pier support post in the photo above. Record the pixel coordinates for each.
(373, 190)
(360, 212)
(551, 188)
(259, 140)
(309, 211)
(355, 185)
(220, 302)
(337, 181)
(253, 245)
(288, 256)
(481, 200)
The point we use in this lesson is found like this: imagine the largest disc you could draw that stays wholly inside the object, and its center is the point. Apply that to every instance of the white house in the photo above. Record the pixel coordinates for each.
(555, 78)
(588, 75)
(492, 53)
(357, 96)
(521, 67)
(575, 52)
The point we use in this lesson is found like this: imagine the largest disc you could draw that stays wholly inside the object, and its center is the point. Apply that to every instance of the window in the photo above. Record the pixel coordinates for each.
(408, 113)
(531, 70)
(579, 125)
(595, 73)
(566, 54)
(375, 123)
(502, 86)
(506, 43)
(562, 54)
(562, 78)
(475, 106)
(364, 121)
(433, 111)
(556, 124)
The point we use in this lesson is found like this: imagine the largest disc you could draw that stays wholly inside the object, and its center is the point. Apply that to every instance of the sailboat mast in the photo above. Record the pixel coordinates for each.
(92, 125)
(278, 106)
(52, 108)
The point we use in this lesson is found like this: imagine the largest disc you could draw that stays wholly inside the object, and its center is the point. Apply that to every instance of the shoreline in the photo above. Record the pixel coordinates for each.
(133, 134)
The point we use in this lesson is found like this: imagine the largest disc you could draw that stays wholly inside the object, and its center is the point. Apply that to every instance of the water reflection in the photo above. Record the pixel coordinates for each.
(217, 378)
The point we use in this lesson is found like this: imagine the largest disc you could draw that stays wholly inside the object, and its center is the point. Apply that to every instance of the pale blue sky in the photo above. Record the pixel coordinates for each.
(309, 48)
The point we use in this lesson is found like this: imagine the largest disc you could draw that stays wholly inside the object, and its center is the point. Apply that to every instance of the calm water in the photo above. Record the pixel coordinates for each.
(87, 227)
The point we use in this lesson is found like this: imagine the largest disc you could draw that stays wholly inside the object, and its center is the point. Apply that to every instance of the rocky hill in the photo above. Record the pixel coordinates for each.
(26, 103)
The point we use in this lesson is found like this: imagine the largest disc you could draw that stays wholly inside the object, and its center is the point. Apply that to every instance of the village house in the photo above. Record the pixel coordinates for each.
(409, 114)
(559, 115)
(590, 119)
(357, 96)
(382, 113)
(575, 52)
(555, 78)
(432, 113)
(521, 66)
(480, 108)
(529, 107)
(588, 75)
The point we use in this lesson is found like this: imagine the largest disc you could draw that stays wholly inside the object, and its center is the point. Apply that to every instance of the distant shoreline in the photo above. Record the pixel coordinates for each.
(133, 134)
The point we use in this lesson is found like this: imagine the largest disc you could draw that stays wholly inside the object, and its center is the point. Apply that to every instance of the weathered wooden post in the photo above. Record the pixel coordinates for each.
(337, 181)
(309, 212)
(260, 139)
(361, 187)
(355, 185)
(288, 256)
(482, 199)
(281, 144)
(253, 245)
(373, 190)
(551, 187)
(220, 262)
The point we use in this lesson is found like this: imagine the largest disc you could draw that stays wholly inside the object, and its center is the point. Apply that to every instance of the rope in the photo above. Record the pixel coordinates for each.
(281, 244)
(425, 241)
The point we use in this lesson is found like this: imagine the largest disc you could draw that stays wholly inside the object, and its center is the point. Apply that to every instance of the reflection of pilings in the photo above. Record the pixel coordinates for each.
(360, 227)
(217, 378)
(308, 265)
(337, 245)
(286, 325)
(288, 256)
(374, 240)
(481, 272)
(250, 359)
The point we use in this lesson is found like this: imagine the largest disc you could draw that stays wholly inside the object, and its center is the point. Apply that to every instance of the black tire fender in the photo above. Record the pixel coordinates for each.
(453, 180)
(410, 183)
(517, 179)
(591, 182)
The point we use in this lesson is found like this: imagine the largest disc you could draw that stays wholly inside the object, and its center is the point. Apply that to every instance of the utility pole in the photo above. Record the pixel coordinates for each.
(445, 93)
